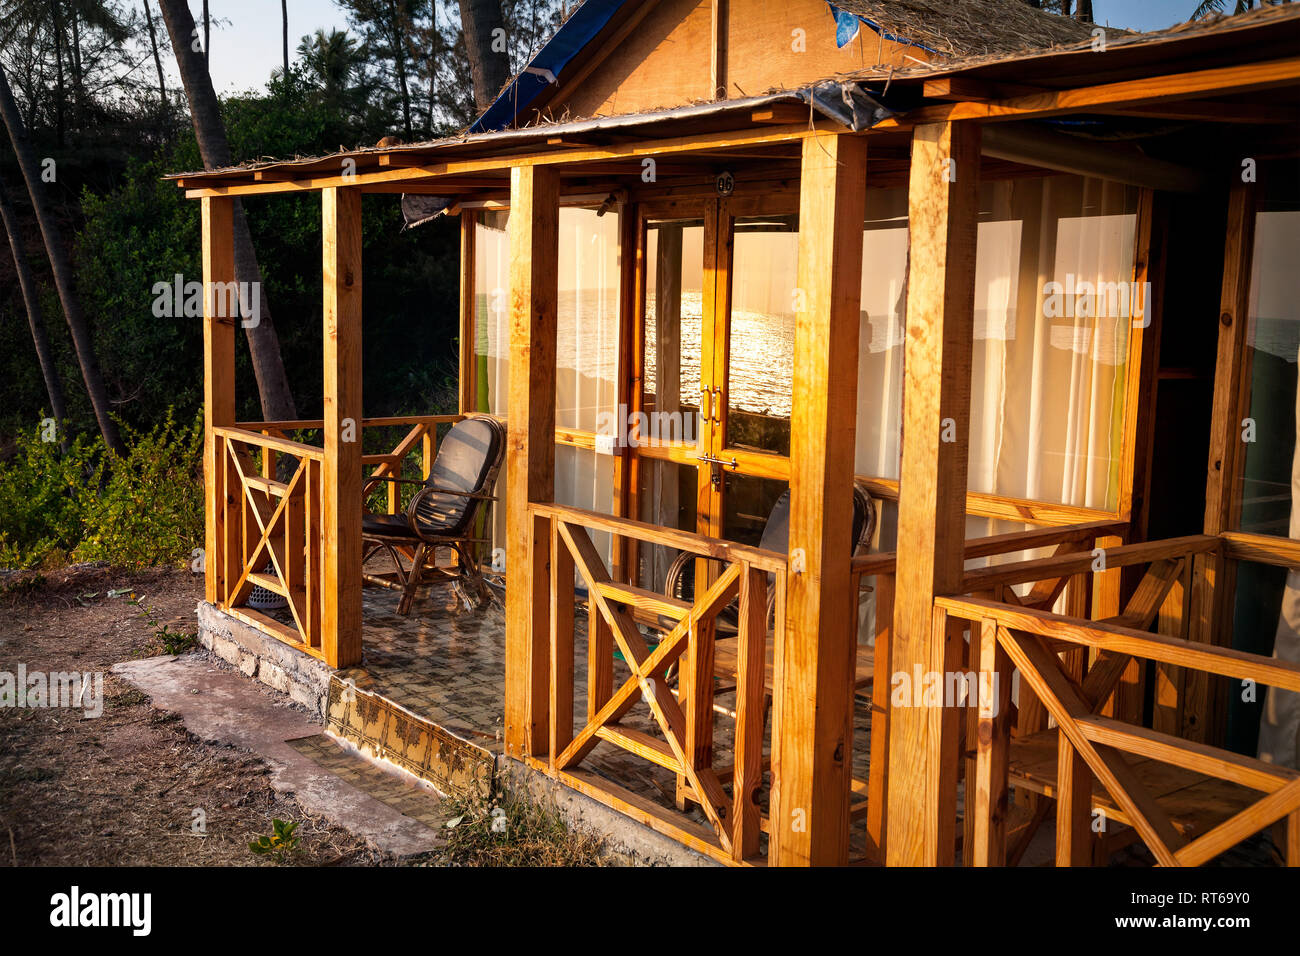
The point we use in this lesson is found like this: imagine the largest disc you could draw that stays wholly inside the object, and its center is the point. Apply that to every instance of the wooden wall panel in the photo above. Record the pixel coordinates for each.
(683, 51)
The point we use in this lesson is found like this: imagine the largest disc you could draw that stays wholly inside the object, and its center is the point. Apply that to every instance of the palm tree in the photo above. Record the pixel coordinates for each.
(284, 16)
(63, 282)
(331, 60)
(53, 387)
(1207, 7)
(205, 111)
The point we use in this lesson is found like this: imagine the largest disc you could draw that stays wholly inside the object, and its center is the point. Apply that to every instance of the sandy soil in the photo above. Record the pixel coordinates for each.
(123, 788)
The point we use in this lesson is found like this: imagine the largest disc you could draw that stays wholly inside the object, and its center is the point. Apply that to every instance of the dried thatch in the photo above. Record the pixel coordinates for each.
(961, 28)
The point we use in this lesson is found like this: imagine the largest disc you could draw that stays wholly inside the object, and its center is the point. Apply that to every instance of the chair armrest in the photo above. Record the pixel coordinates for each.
(393, 478)
(434, 490)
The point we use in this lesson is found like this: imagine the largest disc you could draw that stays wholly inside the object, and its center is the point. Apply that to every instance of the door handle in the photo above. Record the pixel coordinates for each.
(721, 462)
(717, 405)
(706, 405)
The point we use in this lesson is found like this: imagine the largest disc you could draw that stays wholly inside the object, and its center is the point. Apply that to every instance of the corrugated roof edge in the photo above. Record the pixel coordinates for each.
(844, 103)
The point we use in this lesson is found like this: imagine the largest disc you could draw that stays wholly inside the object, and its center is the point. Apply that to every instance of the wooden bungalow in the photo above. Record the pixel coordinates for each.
(1025, 288)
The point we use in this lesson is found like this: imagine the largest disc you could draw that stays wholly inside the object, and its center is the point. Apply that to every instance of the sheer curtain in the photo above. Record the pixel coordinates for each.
(587, 356)
(1048, 366)
(492, 344)
(1053, 315)
(1275, 330)
(586, 347)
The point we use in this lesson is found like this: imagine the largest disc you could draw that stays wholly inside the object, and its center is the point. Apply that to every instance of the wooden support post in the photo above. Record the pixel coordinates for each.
(1293, 839)
(943, 211)
(878, 767)
(813, 712)
(341, 471)
(1214, 577)
(1073, 806)
(992, 751)
(751, 654)
(218, 394)
(561, 645)
(530, 447)
(468, 388)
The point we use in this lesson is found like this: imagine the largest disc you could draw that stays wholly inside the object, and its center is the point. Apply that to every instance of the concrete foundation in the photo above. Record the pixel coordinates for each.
(304, 678)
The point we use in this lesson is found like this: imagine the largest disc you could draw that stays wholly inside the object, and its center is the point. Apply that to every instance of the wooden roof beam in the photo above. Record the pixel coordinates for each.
(680, 146)
(1241, 78)
(1214, 111)
(969, 88)
(1033, 146)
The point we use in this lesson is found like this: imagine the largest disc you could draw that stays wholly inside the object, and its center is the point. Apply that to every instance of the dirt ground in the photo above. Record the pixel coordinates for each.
(123, 788)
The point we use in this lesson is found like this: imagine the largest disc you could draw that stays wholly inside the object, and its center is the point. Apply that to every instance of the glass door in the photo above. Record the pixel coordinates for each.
(710, 432)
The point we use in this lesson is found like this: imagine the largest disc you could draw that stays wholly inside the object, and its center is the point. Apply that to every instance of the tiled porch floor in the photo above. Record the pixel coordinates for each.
(447, 663)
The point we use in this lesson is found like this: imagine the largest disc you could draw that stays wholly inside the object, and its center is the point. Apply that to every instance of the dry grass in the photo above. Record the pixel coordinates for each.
(533, 834)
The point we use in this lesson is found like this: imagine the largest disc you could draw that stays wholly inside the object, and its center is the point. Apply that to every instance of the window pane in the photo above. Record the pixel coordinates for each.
(760, 363)
(880, 336)
(587, 340)
(492, 307)
(1054, 308)
(1272, 346)
(673, 321)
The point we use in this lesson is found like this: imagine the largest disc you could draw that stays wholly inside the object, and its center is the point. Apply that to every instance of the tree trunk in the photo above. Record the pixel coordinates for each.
(59, 266)
(284, 16)
(60, 93)
(1084, 11)
(53, 387)
(78, 79)
(206, 24)
(399, 60)
(479, 19)
(157, 59)
(263, 343)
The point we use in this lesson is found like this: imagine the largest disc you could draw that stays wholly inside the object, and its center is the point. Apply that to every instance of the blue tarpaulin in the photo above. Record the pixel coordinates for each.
(579, 30)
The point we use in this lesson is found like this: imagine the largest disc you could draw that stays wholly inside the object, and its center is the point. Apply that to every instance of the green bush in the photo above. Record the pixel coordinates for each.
(147, 508)
(144, 508)
(42, 497)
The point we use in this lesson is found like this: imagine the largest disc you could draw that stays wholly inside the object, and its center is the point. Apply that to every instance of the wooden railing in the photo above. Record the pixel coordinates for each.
(422, 434)
(880, 567)
(1006, 635)
(683, 717)
(269, 532)
(269, 518)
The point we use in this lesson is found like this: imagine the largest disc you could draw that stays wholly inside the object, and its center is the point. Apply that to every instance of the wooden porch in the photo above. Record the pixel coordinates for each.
(785, 742)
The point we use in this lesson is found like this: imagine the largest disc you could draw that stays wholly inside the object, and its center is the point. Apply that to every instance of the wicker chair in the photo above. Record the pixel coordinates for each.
(443, 514)
(680, 581)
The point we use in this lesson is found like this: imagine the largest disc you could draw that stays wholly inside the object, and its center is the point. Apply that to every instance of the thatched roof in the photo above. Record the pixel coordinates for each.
(960, 28)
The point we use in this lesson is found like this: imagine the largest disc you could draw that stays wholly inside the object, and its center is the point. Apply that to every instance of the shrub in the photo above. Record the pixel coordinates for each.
(147, 508)
(144, 508)
(41, 499)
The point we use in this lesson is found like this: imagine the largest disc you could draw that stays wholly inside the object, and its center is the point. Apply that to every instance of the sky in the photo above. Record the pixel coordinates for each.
(246, 41)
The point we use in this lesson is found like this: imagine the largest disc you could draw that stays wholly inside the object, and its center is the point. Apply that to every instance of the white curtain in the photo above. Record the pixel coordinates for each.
(1274, 313)
(587, 356)
(1047, 373)
(586, 347)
